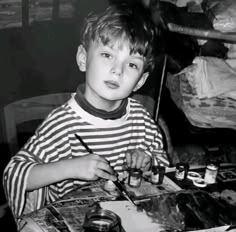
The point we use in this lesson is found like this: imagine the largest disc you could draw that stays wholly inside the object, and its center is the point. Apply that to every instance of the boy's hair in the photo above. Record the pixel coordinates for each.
(119, 23)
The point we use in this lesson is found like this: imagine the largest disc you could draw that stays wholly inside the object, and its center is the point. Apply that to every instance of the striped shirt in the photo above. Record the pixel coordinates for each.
(55, 140)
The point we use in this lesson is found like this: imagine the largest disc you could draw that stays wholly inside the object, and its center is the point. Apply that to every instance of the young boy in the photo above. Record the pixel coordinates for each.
(117, 55)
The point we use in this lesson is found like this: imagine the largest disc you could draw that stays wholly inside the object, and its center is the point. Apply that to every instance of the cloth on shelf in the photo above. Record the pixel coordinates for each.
(205, 92)
(223, 14)
(211, 76)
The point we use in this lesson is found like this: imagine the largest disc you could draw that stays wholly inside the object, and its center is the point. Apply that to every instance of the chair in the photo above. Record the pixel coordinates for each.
(150, 105)
(22, 111)
(35, 109)
(26, 110)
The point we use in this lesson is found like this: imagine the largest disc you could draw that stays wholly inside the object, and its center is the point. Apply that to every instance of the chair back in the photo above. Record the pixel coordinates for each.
(26, 110)
(37, 108)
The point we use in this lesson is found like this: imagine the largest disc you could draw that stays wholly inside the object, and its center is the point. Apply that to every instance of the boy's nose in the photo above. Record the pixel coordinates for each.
(117, 69)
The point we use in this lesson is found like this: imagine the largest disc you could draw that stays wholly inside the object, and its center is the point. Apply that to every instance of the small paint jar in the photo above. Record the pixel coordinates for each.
(181, 171)
(157, 174)
(211, 173)
(135, 177)
(101, 220)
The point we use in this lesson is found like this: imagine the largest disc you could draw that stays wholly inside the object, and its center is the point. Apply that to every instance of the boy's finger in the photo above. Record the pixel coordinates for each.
(146, 161)
(105, 175)
(147, 173)
(139, 161)
(100, 158)
(146, 167)
(105, 166)
(128, 159)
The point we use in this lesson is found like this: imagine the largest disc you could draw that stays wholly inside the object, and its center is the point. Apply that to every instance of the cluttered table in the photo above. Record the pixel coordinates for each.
(178, 203)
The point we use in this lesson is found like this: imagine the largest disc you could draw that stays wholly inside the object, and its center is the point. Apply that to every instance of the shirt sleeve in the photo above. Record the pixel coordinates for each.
(15, 182)
(154, 142)
(17, 171)
(157, 149)
(40, 148)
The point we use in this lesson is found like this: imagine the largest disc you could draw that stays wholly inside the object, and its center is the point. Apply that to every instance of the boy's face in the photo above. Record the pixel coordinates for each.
(112, 73)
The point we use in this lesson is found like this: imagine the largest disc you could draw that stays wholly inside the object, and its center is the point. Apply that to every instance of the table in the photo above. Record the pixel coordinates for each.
(68, 213)
(226, 178)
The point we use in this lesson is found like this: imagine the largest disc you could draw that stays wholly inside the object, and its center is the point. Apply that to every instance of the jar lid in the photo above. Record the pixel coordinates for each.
(200, 182)
(135, 171)
(182, 166)
(212, 167)
(193, 175)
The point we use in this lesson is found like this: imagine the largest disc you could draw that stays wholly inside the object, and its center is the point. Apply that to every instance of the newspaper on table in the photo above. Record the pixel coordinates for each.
(162, 207)
(68, 214)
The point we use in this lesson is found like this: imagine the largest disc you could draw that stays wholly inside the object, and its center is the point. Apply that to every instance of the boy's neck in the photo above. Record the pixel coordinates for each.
(115, 114)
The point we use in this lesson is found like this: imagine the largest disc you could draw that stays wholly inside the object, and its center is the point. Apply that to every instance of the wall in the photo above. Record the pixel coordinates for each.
(41, 59)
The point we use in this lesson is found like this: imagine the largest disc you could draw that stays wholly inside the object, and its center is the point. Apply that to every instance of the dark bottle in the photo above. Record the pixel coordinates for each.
(158, 171)
(181, 171)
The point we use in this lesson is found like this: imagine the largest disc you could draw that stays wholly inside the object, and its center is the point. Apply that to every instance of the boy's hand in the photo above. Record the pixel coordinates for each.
(91, 167)
(138, 159)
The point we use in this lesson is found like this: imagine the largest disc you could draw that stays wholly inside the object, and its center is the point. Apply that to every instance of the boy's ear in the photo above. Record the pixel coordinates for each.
(141, 82)
(81, 58)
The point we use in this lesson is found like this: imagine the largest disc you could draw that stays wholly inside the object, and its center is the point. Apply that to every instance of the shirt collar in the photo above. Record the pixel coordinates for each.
(85, 105)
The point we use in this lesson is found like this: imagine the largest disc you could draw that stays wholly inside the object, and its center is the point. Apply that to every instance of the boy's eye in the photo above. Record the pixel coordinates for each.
(132, 65)
(106, 55)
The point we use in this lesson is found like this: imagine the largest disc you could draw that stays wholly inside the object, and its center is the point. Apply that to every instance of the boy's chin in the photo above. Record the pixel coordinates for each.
(113, 99)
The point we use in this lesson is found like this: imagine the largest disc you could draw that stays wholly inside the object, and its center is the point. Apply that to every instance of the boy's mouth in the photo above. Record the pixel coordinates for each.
(112, 84)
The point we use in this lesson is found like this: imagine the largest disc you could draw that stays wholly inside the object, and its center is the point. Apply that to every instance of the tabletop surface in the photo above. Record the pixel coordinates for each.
(172, 206)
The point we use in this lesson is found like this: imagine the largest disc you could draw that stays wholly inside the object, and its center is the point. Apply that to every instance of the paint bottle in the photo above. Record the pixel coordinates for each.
(181, 171)
(211, 173)
(135, 177)
(158, 171)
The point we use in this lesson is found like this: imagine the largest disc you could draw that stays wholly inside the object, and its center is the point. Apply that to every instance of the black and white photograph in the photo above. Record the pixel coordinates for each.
(118, 115)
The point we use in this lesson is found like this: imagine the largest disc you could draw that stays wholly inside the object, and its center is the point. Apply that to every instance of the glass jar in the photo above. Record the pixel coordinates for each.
(157, 172)
(135, 177)
(101, 220)
(181, 171)
(211, 173)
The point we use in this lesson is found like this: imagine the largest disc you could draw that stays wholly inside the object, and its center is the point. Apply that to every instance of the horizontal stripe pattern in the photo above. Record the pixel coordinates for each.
(55, 139)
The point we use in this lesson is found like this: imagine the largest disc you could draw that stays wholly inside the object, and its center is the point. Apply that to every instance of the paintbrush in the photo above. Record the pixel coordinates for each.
(123, 190)
(117, 183)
